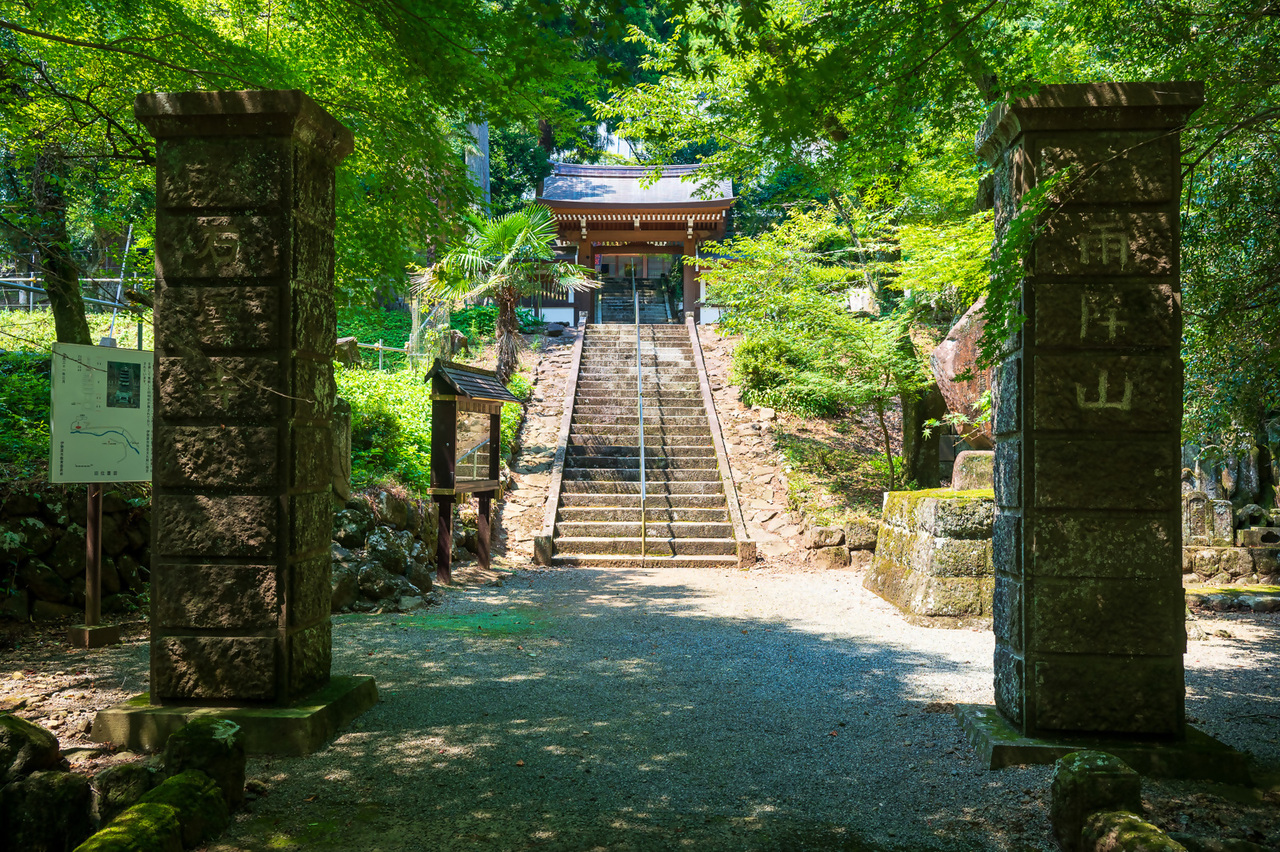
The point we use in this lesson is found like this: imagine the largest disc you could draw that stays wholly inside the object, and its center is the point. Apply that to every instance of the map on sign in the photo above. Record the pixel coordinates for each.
(100, 414)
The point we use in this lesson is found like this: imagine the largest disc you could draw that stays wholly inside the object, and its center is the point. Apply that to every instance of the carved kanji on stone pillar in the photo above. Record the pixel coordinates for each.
(1088, 600)
(245, 331)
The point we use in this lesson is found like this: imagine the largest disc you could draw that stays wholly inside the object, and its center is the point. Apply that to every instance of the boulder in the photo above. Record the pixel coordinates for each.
(130, 572)
(47, 811)
(956, 356)
(344, 585)
(214, 747)
(420, 575)
(821, 537)
(25, 537)
(553, 329)
(19, 503)
(1122, 831)
(50, 611)
(860, 532)
(831, 557)
(141, 828)
(67, 557)
(121, 786)
(114, 539)
(391, 509)
(973, 469)
(377, 583)
(109, 576)
(203, 811)
(15, 604)
(389, 549)
(1084, 783)
(43, 582)
(351, 527)
(25, 748)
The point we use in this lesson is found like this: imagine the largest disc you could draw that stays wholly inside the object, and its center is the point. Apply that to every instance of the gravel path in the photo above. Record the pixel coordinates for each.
(769, 709)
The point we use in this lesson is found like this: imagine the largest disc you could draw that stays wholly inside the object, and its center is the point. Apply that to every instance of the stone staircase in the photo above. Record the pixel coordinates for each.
(597, 521)
(618, 306)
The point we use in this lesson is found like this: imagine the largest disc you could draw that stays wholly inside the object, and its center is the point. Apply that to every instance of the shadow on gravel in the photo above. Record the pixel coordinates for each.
(624, 715)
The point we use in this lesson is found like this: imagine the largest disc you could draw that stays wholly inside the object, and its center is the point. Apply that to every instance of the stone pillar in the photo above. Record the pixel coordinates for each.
(245, 329)
(691, 294)
(1088, 600)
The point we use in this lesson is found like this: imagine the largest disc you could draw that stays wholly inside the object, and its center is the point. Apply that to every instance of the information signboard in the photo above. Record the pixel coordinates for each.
(100, 414)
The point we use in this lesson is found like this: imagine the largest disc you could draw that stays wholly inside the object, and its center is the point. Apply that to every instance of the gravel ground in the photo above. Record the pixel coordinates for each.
(769, 709)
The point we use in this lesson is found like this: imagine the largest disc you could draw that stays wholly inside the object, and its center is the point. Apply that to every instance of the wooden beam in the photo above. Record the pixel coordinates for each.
(631, 236)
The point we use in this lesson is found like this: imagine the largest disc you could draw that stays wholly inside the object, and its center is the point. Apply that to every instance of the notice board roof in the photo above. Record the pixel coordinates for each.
(471, 382)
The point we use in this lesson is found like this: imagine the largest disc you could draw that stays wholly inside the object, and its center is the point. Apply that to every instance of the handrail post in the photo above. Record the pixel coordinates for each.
(635, 295)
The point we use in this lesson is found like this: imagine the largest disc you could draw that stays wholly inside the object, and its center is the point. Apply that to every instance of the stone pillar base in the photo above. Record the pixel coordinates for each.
(1196, 756)
(294, 729)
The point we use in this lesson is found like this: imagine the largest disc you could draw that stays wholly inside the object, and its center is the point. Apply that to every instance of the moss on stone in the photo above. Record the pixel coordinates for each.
(195, 797)
(1121, 831)
(145, 827)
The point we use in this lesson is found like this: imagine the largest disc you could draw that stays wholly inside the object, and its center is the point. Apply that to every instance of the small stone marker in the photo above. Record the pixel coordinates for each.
(1088, 596)
(245, 331)
(1084, 783)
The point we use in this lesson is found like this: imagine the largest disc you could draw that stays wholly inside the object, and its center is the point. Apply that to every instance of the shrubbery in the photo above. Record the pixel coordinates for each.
(776, 370)
(24, 413)
(478, 321)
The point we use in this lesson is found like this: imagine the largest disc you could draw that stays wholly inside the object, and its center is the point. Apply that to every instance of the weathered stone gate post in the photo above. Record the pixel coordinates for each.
(245, 330)
(1088, 600)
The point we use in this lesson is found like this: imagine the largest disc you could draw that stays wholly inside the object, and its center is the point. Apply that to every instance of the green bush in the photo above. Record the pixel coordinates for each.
(369, 325)
(478, 321)
(776, 370)
(390, 426)
(24, 412)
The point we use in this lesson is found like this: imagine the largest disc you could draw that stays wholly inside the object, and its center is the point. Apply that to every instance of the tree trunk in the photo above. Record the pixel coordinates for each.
(888, 443)
(60, 277)
(507, 330)
(920, 454)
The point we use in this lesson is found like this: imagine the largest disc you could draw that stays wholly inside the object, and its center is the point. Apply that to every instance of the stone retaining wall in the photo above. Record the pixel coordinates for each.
(933, 553)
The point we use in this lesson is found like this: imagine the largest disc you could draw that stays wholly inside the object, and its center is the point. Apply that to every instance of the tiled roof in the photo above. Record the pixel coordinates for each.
(471, 382)
(621, 185)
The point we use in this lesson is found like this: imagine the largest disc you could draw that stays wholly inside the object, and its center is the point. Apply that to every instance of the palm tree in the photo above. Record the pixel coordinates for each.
(504, 258)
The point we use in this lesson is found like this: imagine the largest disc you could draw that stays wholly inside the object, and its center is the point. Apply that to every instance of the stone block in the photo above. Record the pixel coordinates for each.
(941, 512)
(1207, 562)
(313, 257)
(831, 557)
(214, 747)
(1266, 560)
(1113, 695)
(823, 537)
(218, 388)
(1005, 408)
(1008, 473)
(1006, 544)
(1117, 167)
(1084, 783)
(1222, 532)
(239, 457)
(341, 449)
(1260, 537)
(211, 318)
(240, 526)
(1006, 613)
(1111, 393)
(230, 668)
(196, 246)
(229, 172)
(1121, 831)
(310, 523)
(1118, 546)
(1113, 617)
(313, 388)
(312, 465)
(1010, 683)
(310, 657)
(309, 590)
(1105, 474)
(973, 469)
(313, 191)
(315, 322)
(1107, 242)
(1108, 313)
(215, 597)
(860, 533)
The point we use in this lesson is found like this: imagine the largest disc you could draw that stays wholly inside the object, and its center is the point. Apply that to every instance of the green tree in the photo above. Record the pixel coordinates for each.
(504, 258)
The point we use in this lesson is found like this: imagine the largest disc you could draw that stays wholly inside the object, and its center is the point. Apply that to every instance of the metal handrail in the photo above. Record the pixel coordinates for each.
(475, 463)
(635, 295)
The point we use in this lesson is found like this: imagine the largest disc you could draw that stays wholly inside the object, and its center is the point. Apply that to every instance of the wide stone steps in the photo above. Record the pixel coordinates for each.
(652, 515)
(626, 464)
(653, 502)
(632, 487)
(624, 561)
(592, 545)
(598, 519)
(677, 530)
(691, 474)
